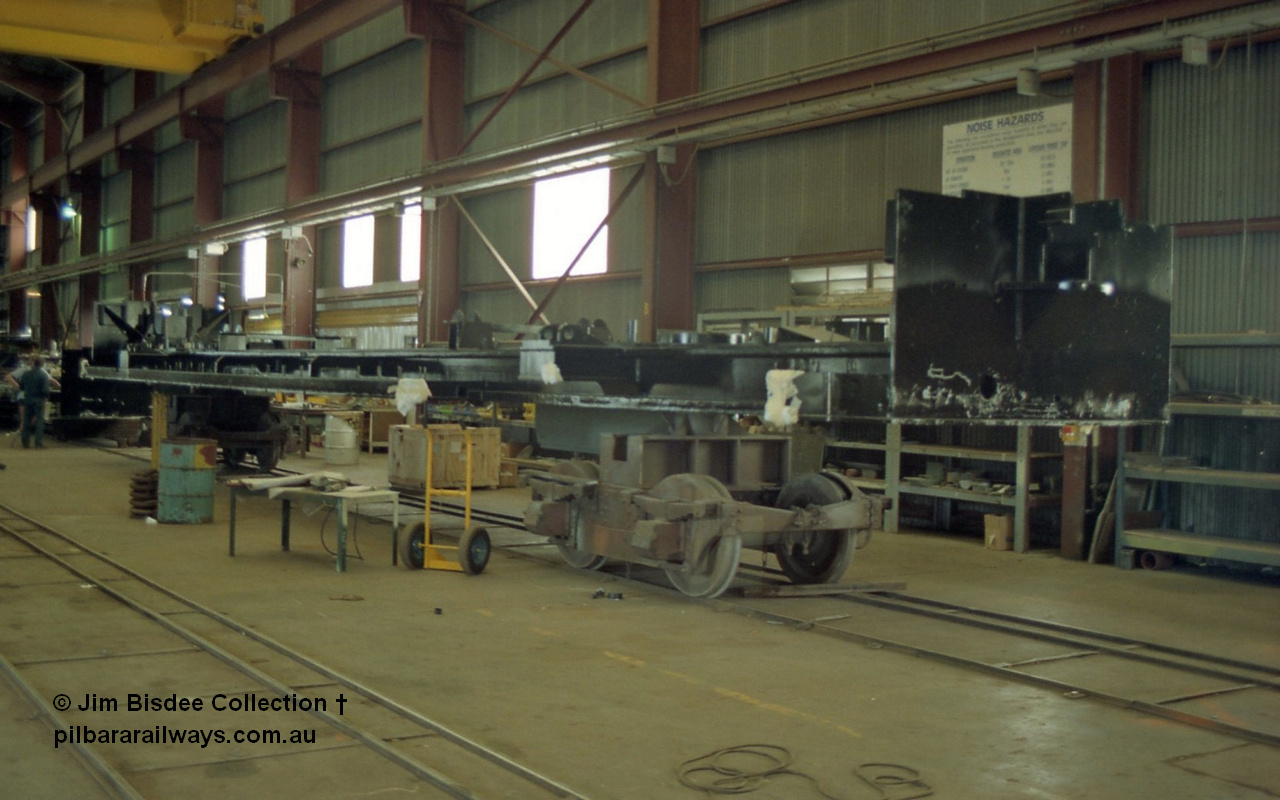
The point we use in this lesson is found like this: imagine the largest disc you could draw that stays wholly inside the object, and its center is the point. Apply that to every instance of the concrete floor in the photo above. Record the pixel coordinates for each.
(608, 697)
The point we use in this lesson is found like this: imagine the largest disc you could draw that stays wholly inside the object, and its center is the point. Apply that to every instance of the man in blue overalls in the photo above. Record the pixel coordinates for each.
(36, 385)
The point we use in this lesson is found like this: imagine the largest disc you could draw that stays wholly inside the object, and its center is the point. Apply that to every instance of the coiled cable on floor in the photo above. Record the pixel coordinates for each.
(714, 774)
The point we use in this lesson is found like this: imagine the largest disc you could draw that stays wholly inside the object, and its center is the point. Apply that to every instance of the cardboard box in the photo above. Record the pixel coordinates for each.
(999, 531)
(407, 457)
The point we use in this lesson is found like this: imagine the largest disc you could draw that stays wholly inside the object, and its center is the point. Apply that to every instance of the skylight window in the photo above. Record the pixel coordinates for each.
(357, 251)
(566, 210)
(255, 269)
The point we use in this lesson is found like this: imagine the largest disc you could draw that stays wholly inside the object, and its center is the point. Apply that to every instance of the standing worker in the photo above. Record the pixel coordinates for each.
(36, 385)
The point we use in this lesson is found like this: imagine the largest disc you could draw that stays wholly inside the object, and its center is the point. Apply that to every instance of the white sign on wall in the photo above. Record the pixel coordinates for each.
(1022, 154)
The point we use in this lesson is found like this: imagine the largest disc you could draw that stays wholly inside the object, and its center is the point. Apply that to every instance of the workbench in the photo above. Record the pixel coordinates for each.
(344, 501)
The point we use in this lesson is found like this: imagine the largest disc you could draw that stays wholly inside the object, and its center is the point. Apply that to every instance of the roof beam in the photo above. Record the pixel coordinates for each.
(279, 46)
(42, 89)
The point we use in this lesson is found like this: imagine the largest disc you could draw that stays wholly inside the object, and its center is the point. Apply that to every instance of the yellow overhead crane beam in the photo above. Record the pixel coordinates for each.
(175, 36)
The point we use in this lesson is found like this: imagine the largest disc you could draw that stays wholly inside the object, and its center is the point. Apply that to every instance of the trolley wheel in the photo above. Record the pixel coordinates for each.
(473, 550)
(411, 539)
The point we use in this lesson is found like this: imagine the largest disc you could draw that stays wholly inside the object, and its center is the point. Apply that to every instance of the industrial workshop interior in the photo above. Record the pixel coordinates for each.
(635, 399)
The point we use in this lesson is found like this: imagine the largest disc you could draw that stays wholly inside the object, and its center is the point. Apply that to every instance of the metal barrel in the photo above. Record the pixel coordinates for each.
(341, 442)
(188, 472)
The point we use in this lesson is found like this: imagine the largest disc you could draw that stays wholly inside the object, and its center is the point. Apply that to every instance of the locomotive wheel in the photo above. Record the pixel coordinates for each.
(473, 550)
(814, 556)
(722, 557)
(581, 559)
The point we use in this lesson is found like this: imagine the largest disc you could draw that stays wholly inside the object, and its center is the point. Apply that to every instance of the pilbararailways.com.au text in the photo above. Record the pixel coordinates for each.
(203, 737)
(163, 734)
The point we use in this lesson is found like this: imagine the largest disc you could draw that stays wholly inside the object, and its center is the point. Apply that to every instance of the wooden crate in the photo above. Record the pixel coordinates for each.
(377, 426)
(407, 465)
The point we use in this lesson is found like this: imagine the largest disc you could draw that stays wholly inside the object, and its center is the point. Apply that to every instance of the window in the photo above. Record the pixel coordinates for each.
(411, 242)
(255, 269)
(357, 251)
(33, 234)
(565, 212)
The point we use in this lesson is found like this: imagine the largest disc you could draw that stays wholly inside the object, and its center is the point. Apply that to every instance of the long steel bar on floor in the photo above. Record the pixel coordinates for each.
(99, 770)
(379, 746)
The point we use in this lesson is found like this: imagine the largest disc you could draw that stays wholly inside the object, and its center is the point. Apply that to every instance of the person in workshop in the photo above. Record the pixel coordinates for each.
(34, 386)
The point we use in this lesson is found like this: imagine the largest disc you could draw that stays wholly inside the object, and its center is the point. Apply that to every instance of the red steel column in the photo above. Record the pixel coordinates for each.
(140, 159)
(300, 84)
(1122, 143)
(89, 183)
(51, 224)
(20, 161)
(1086, 130)
(1086, 140)
(207, 129)
(442, 129)
(675, 45)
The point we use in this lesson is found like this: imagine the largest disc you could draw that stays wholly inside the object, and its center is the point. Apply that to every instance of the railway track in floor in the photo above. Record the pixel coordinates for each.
(177, 688)
(1204, 690)
(1233, 697)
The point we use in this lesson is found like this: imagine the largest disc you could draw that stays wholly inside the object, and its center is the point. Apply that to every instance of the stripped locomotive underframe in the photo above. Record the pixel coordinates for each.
(1005, 310)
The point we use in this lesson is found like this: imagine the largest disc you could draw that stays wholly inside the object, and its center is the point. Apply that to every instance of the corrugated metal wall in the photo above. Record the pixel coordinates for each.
(254, 151)
(1213, 155)
(552, 104)
(821, 190)
(372, 126)
(804, 34)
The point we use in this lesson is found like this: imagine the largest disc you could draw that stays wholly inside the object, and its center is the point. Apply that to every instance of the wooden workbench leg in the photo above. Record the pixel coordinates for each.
(342, 536)
(284, 526)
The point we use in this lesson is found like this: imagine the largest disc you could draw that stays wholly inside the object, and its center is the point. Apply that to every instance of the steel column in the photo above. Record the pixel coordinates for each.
(443, 106)
(301, 86)
(1086, 130)
(90, 186)
(207, 129)
(1075, 490)
(1123, 77)
(51, 224)
(16, 211)
(675, 44)
(140, 160)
